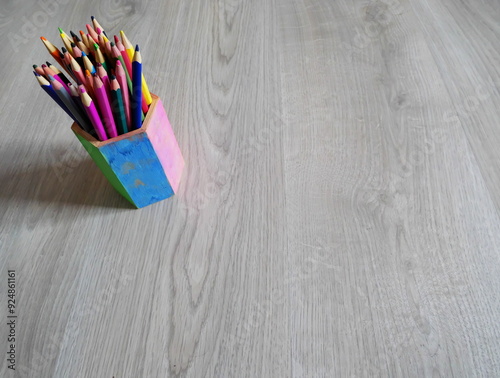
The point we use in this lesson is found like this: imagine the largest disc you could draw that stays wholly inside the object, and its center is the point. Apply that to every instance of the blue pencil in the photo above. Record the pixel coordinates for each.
(50, 91)
(136, 103)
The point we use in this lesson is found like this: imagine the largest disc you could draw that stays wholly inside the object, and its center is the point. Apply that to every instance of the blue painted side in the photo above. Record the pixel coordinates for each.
(134, 162)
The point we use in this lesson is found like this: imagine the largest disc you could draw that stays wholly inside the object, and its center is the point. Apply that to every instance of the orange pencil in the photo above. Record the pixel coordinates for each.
(54, 51)
(89, 83)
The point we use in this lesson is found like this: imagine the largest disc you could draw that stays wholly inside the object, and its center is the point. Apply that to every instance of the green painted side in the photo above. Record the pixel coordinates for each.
(103, 165)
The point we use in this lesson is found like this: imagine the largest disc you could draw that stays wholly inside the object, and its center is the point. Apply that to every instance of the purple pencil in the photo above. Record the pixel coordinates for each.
(89, 106)
(104, 107)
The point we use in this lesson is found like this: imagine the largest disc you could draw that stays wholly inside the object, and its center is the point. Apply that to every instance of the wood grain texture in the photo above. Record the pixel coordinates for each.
(338, 214)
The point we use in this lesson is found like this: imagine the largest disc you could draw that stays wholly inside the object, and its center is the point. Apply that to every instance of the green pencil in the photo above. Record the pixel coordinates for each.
(117, 107)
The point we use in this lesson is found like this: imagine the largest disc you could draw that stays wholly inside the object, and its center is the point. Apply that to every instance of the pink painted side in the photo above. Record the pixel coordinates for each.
(163, 140)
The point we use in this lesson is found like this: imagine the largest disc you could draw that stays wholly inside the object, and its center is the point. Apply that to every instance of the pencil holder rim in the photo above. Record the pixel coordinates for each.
(99, 143)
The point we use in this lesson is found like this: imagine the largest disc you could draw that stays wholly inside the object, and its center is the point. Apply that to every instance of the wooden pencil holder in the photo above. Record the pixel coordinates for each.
(144, 165)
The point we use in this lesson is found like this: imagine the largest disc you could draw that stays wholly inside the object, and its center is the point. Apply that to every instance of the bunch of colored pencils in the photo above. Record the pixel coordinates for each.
(109, 95)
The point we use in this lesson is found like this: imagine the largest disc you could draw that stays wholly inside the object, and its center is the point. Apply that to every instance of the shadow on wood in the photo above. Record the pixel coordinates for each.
(70, 181)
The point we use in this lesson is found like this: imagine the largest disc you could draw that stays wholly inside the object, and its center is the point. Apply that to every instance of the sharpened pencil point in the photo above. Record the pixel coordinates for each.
(64, 51)
(92, 17)
(136, 47)
(61, 31)
(43, 38)
(35, 66)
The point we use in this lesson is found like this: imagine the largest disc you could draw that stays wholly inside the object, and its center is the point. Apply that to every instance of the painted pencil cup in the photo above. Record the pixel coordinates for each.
(144, 165)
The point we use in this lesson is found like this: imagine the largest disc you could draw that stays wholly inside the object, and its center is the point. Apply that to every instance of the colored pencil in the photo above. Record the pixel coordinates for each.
(101, 72)
(91, 110)
(87, 63)
(122, 80)
(117, 106)
(129, 48)
(91, 40)
(85, 40)
(92, 32)
(54, 51)
(124, 54)
(99, 58)
(118, 56)
(49, 72)
(77, 54)
(75, 37)
(128, 65)
(97, 25)
(58, 73)
(76, 97)
(82, 47)
(77, 72)
(44, 83)
(65, 97)
(89, 83)
(39, 70)
(66, 40)
(99, 32)
(104, 107)
(135, 108)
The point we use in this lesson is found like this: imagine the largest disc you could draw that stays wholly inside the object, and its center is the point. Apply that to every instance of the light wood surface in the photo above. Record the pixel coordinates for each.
(338, 215)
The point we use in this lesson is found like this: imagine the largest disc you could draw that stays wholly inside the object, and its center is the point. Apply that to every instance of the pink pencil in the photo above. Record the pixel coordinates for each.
(77, 71)
(104, 107)
(122, 80)
(48, 71)
(89, 107)
(92, 32)
(101, 72)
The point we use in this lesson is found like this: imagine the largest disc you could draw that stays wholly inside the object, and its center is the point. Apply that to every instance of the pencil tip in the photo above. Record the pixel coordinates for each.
(112, 77)
(44, 65)
(35, 73)
(60, 31)
(112, 44)
(35, 66)
(64, 51)
(136, 47)
(73, 44)
(92, 17)
(43, 38)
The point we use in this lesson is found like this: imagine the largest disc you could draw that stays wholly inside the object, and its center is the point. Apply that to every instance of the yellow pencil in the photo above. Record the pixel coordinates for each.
(129, 48)
(67, 42)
